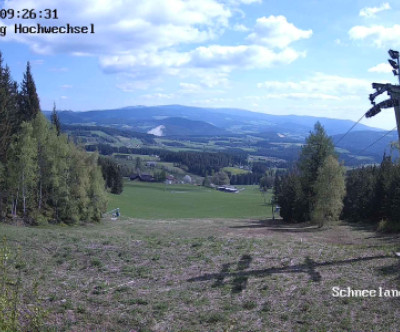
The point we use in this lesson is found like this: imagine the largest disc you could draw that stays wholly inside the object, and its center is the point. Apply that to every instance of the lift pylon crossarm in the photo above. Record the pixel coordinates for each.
(383, 104)
(373, 111)
(392, 90)
(380, 88)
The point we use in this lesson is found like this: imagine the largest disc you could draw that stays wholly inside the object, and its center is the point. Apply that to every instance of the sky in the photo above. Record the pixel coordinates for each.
(302, 57)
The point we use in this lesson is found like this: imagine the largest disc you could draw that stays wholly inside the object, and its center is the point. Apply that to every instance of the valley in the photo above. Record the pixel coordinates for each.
(275, 140)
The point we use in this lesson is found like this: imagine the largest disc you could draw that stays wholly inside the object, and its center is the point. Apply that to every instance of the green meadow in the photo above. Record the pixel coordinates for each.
(160, 201)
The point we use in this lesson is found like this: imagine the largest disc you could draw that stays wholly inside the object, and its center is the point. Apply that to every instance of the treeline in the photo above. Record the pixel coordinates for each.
(112, 174)
(202, 163)
(43, 175)
(373, 194)
(78, 130)
(108, 150)
(288, 154)
(245, 179)
(258, 171)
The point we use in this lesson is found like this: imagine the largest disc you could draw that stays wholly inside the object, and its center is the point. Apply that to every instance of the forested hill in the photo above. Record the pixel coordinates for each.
(185, 120)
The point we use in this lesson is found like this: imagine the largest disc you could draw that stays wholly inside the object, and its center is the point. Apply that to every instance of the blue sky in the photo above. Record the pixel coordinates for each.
(304, 57)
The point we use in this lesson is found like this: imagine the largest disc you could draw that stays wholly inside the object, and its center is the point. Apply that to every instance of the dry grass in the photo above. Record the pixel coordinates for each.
(210, 275)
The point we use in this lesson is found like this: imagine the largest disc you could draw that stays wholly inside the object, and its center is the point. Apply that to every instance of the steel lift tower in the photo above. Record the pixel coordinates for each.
(392, 90)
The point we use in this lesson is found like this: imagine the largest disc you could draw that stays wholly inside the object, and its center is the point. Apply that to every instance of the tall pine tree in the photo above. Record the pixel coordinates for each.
(55, 120)
(29, 105)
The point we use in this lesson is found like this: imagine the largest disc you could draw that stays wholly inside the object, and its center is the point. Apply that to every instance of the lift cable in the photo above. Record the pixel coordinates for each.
(335, 144)
(358, 153)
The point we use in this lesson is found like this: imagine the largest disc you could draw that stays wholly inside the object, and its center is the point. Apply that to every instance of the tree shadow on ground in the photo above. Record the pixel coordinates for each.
(280, 226)
(371, 228)
(241, 274)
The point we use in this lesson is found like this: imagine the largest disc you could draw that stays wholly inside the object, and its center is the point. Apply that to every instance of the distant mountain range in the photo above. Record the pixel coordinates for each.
(178, 120)
(361, 145)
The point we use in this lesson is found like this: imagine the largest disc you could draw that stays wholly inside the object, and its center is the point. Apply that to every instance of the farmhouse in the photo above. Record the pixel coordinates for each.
(170, 179)
(227, 189)
(151, 164)
(144, 177)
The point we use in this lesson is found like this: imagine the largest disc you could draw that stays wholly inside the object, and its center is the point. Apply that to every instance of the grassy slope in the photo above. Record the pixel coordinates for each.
(158, 201)
(208, 275)
(235, 170)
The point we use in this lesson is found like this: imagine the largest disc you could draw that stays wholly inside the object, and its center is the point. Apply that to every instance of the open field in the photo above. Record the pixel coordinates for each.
(235, 170)
(208, 275)
(160, 201)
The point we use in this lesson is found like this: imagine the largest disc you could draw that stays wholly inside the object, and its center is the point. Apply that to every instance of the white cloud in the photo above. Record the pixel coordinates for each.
(134, 85)
(302, 96)
(319, 86)
(158, 96)
(242, 56)
(144, 25)
(210, 78)
(243, 2)
(240, 28)
(211, 65)
(66, 86)
(369, 12)
(151, 39)
(381, 68)
(379, 35)
(276, 31)
(190, 88)
(248, 2)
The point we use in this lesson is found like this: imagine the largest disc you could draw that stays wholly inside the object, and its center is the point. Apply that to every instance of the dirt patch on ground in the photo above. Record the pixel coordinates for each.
(340, 233)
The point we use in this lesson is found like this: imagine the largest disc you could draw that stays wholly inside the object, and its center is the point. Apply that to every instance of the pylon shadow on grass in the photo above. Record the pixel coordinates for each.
(240, 276)
(239, 283)
(393, 270)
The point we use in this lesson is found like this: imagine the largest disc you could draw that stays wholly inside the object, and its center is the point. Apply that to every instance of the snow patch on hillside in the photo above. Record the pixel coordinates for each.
(157, 131)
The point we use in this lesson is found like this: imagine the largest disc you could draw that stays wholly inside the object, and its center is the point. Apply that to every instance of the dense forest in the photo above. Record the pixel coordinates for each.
(202, 163)
(317, 188)
(373, 194)
(43, 175)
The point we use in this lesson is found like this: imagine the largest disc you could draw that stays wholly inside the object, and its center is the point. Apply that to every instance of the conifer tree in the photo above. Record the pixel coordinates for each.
(298, 193)
(55, 120)
(29, 105)
(395, 195)
(290, 198)
(3, 193)
(313, 154)
(381, 201)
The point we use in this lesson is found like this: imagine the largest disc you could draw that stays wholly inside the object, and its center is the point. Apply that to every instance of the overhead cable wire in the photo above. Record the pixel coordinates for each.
(376, 141)
(335, 144)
